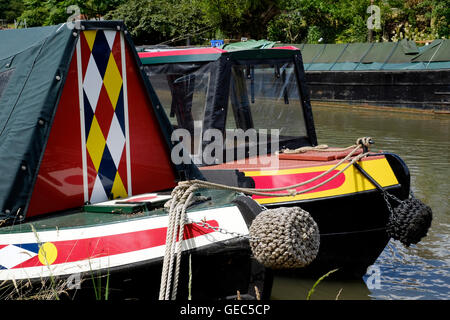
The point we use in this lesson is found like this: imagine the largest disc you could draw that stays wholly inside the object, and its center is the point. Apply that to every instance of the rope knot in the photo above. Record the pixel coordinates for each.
(364, 141)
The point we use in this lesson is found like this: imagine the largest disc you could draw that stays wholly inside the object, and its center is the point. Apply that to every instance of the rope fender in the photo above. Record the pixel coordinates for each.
(409, 221)
(284, 238)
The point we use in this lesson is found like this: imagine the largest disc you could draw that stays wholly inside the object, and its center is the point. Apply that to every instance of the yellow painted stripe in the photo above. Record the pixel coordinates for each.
(379, 169)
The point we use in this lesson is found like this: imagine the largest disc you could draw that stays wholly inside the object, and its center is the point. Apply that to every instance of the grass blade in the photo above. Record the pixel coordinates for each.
(318, 281)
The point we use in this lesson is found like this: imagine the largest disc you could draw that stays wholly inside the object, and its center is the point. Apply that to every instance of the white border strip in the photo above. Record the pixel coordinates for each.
(125, 107)
(82, 124)
(229, 218)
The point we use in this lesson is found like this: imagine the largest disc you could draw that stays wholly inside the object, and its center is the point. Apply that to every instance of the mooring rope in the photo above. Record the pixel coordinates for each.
(183, 195)
(292, 188)
(324, 148)
(177, 218)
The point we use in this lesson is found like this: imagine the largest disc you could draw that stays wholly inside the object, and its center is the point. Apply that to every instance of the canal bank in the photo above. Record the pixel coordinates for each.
(421, 271)
(366, 106)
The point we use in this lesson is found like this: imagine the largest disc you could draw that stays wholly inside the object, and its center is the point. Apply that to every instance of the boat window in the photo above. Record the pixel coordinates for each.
(183, 92)
(4, 78)
(266, 96)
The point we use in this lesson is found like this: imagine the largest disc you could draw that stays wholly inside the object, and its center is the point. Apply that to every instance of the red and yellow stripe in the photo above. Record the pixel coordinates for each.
(350, 181)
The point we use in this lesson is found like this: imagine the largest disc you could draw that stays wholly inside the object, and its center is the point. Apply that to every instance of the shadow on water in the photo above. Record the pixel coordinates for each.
(421, 271)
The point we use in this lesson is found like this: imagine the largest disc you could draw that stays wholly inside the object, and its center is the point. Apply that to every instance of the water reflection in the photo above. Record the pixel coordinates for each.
(421, 271)
(290, 288)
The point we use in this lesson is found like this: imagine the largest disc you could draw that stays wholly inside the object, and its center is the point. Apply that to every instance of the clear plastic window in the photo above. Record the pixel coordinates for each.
(265, 96)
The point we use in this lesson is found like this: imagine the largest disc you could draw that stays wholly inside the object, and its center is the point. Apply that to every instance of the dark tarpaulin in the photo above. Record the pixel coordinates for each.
(38, 58)
(35, 63)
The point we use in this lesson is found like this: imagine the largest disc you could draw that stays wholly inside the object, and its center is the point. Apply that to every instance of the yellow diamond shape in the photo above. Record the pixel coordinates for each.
(118, 189)
(95, 143)
(90, 37)
(112, 80)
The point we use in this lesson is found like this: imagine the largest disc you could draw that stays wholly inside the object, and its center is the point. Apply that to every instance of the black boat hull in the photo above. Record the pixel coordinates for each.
(352, 227)
(419, 89)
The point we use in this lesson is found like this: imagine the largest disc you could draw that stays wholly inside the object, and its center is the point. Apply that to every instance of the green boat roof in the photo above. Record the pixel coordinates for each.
(401, 55)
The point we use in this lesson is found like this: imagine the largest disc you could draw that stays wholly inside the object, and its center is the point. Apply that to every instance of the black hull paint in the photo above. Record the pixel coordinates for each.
(352, 227)
(352, 233)
(217, 270)
(419, 89)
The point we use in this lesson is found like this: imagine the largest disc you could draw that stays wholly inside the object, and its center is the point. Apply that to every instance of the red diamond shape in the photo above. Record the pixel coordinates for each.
(104, 112)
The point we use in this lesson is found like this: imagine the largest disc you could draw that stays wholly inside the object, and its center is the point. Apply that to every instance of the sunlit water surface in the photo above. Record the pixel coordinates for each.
(421, 271)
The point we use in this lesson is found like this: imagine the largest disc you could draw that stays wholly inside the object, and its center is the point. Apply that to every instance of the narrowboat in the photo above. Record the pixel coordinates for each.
(86, 172)
(390, 75)
(208, 91)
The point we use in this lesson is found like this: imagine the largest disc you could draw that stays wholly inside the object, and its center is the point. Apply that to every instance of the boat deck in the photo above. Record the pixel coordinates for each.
(287, 161)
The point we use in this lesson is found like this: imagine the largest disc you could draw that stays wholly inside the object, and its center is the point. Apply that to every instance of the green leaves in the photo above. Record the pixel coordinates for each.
(157, 21)
(291, 21)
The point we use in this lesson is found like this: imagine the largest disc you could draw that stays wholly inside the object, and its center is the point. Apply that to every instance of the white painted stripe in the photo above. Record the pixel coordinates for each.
(107, 262)
(82, 124)
(228, 218)
(125, 106)
(11, 256)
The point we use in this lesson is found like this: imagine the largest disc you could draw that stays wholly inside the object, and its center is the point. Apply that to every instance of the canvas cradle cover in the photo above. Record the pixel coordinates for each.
(38, 79)
(401, 55)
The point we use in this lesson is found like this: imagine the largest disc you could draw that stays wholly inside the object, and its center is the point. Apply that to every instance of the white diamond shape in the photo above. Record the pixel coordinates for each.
(115, 140)
(92, 83)
(11, 256)
(110, 36)
(98, 192)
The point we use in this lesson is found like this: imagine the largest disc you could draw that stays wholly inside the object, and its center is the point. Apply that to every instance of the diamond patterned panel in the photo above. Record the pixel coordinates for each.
(104, 114)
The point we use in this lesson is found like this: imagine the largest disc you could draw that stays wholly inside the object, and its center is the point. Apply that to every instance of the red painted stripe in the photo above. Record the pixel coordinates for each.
(180, 52)
(141, 199)
(82, 249)
(282, 180)
(117, 53)
(286, 48)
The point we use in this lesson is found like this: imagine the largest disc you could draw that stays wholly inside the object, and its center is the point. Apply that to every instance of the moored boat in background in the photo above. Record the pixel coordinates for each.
(255, 91)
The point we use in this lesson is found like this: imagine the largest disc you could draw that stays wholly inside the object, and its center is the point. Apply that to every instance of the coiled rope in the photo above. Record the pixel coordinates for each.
(183, 195)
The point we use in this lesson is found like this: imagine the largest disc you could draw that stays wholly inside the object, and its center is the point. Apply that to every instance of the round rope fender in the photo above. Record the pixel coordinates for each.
(284, 238)
(409, 221)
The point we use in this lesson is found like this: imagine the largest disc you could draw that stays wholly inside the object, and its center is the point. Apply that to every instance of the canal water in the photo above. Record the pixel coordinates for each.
(421, 271)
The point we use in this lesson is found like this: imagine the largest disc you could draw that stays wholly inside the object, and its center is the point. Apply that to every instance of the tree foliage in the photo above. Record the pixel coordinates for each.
(295, 21)
(160, 21)
(11, 9)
